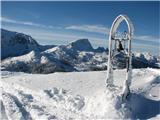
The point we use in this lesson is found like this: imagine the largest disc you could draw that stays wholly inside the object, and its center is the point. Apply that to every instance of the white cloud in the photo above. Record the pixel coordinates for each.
(104, 30)
(146, 38)
(67, 38)
(86, 28)
(8, 20)
(146, 48)
(45, 36)
(90, 28)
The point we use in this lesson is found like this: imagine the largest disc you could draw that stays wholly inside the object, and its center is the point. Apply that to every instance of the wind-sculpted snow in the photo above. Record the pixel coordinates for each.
(44, 105)
(60, 97)
(11, 108)
(79, 95)
(108, 105)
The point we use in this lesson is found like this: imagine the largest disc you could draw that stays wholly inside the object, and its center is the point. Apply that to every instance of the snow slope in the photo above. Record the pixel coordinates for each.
(79, 95)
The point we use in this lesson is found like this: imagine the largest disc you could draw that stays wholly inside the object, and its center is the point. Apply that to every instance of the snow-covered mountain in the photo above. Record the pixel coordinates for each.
(16, 44)
(59, 58)
(143, 60)
(76, 56)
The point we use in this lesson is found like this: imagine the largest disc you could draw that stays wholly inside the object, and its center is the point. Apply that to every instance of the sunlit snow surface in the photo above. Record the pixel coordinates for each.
(79, 95)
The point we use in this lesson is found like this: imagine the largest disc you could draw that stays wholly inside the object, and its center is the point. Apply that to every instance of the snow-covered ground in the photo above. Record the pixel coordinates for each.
(79, 95)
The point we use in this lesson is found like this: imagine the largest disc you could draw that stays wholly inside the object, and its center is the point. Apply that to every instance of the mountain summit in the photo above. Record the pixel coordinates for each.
(15, 44)
(82, 45)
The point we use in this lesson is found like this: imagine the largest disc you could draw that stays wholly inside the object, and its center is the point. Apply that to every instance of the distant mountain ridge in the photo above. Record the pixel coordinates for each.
(16, 44)
(21, 52)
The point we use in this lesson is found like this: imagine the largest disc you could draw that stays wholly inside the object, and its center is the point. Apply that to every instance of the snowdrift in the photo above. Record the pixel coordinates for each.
(79, 95)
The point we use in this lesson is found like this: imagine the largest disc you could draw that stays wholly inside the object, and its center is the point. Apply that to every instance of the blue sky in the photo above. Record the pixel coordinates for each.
(63, 22)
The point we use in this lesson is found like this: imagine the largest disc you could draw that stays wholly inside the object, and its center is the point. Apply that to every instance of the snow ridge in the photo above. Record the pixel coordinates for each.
(76, 56)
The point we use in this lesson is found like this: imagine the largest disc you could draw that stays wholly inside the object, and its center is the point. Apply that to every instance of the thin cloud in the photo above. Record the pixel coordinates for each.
(86, 28)
(68, 37)
(90, 28)
(47, 35)
(7, 20)
(104, 30)
(147, 38)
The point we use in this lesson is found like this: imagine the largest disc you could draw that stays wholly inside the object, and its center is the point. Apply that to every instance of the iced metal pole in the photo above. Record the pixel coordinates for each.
(109, 80)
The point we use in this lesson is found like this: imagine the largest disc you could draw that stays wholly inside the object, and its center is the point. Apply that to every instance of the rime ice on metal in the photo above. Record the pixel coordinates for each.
(120, 44)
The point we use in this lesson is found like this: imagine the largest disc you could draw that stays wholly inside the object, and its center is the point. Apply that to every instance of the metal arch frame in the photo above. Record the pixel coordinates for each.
(115, 25)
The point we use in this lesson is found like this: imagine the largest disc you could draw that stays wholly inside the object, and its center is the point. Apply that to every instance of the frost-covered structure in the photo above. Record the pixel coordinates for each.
(116, 47)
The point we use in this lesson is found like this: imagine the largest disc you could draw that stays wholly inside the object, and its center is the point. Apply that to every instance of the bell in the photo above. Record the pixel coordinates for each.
(120, 47)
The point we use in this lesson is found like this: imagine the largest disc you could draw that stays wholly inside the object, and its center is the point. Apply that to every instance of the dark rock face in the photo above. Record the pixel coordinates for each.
(82, 45)
(101, 49)
(15, 44)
